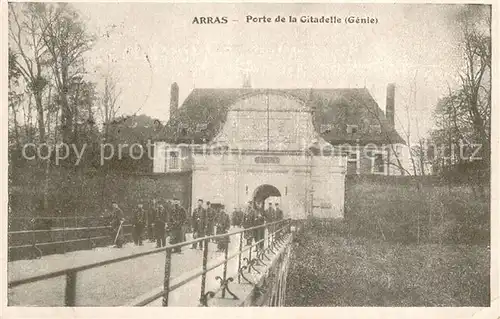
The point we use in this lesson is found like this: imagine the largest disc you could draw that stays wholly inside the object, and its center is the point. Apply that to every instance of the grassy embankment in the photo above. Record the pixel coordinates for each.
(397, 247)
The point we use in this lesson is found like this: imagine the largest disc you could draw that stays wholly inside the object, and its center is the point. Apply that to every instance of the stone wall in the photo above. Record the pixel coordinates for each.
(76, 194)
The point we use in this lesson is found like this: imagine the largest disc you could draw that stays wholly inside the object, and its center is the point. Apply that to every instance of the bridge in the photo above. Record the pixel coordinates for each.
(246, 274)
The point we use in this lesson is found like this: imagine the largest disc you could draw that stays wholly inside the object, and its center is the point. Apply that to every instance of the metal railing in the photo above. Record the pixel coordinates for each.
(25, 239)
(276, 233)
(53, 222)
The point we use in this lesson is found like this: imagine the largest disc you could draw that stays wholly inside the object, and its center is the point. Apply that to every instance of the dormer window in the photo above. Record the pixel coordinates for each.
(183, 129)
(325, 128)
(352, 129)
(375, 128)
(201, 127)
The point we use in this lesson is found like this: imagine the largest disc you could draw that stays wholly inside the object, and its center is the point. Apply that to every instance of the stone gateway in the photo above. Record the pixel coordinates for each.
(255, 145)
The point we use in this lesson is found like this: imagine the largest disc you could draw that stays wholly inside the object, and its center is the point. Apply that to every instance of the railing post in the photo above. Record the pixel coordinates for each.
(267, 229)
(33, 232)
(70, 292)
(250, 250)
(224, 274)
(88, 234)
(166, 280)
(204, 275)
(239, 255)
(273, 229)
(64, 235)
(273, 234)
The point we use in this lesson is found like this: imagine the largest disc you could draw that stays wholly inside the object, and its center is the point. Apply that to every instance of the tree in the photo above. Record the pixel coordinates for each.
(31, 54)
(108, 106)
(475, 90)
(14, 97)
(463, 116)
(66, 39)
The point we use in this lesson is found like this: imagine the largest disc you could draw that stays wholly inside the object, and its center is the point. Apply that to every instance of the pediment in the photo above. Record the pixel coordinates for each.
(270, 121)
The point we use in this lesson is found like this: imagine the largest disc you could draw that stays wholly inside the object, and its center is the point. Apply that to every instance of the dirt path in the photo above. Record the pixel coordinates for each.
(115, 284)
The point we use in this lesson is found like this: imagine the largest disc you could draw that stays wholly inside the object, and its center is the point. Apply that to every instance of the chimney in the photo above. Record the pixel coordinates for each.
(389, 104)
(174, 98)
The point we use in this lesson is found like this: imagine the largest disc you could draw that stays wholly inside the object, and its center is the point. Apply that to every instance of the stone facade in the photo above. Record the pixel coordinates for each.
(267, 139)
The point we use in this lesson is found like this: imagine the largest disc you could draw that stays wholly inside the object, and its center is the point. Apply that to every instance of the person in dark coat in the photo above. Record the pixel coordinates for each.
(139, 221)
(248, 221)
(159, 226)
(259, 221)
(237, 217)
(169, 206)
(198, 223)
(269, 214)
(222, 226)
(117, 219)
(210, 220)
(234, 217)
(278, 212)
(151, 215)
(279, 216)
(177, 220)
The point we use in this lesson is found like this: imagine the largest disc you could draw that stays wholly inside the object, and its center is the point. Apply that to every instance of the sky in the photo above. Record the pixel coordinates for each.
(148, 46)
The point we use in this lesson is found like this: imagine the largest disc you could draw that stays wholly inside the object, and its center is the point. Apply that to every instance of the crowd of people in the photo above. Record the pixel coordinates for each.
(170, 218)
(154, 223)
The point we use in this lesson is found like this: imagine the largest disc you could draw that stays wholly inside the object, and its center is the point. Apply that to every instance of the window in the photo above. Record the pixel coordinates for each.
(353, 157)
(352, 129)
(173, 160)
(378, 165)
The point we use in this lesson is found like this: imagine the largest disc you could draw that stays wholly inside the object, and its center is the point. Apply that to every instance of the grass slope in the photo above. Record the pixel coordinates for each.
(330, 268)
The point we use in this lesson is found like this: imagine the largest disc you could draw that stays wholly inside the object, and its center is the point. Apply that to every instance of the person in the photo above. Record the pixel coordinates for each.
(248, 221)
(236, 217)
(177, 219)
(210, 220)
(117, 219)
(222, 227)
(278, 212)
(259, 221)
(169, 207)
(159, 226)
(269, 213)
(150, 220)
(198, 223)
(279, 215)
(138, 222)
(269, 218)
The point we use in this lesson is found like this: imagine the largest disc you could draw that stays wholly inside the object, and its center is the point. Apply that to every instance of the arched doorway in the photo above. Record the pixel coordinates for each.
(264, 194)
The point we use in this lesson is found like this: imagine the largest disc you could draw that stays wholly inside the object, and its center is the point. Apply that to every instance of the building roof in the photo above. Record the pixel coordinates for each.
(333, 110)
